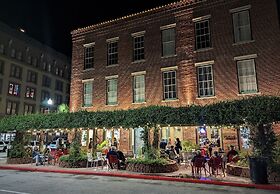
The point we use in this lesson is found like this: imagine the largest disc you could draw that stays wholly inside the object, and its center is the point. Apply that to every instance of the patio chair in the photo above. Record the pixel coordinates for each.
(89, 159)
(215, 164)
(99, 159)
(198, 165)
(113, 162)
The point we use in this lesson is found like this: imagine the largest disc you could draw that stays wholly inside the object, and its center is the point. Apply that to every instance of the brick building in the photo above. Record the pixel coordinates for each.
(183, 53)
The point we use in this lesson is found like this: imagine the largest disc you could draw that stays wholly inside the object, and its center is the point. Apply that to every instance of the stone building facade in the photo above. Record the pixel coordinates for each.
(184, 53)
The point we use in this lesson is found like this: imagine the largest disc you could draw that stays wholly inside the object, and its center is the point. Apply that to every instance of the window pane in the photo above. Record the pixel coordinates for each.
(169, 87)
(247, 76)
(205, 81)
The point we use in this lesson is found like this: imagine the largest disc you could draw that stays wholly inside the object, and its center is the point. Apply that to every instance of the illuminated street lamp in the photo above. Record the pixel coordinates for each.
(50, 103)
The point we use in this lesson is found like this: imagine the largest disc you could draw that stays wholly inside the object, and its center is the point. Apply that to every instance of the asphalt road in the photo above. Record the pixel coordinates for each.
(50, 183)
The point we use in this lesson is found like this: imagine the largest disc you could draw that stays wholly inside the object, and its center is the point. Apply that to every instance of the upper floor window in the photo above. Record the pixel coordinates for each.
(169, 85)
(61, 73)
(241, 24)
(58, 99)
(49, 67)
(35, 61)
(14, 89)
(11, 108)
(202, 32)
(59, 85)
(19, 55)
(87, 93)
(45, 95)
(29, 59)
(16, 71)
(168, 41)
(13, 53)
(205, 83)
(2, 48)
(2, 65)
(138, 46)
(1, 85)
(29, 109)
(44, 65)
(32, 77)
(89, 55)
(112, 91)
(46, 81)
(30, 93)
(112, 46)
(139, 88)
(247, 76)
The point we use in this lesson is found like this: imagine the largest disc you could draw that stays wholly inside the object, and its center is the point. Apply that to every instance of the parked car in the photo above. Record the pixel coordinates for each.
(3, 146)
(52, 145)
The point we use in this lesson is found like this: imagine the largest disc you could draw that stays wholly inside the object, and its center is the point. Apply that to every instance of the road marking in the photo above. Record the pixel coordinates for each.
(9, 191)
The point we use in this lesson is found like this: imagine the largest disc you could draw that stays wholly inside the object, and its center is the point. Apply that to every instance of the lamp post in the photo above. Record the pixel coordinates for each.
(50, 103)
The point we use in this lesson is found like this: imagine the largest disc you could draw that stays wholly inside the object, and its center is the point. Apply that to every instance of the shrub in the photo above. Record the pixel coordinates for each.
(159, 161)
(188, 146)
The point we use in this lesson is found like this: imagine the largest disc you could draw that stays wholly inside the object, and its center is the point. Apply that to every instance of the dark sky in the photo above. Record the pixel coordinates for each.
(51, 21)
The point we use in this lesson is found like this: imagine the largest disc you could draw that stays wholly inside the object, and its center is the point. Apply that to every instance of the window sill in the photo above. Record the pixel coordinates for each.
(112, 105)
(115, 65)
(169, 56)
(203, 50)
(136, 103)
(206, 97)
(243, 42)
(249, 94)
(85, 107)
(139, 61)
(89, 69)
(171, 100)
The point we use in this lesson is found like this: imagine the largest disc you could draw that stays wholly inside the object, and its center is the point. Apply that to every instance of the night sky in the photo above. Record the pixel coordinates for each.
(51, 21)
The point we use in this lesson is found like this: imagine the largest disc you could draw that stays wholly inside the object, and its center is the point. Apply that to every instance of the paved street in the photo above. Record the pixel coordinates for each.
(45, 183)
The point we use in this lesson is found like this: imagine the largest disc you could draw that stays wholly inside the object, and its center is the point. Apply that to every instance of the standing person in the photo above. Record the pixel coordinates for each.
(90, 145)
(115, 143)
(210, 149)
(178, 145)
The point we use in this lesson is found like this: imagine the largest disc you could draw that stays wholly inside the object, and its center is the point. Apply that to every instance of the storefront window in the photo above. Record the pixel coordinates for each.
(209, 135)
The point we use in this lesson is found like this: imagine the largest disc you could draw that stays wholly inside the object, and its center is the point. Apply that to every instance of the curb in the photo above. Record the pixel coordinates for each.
(139, 176)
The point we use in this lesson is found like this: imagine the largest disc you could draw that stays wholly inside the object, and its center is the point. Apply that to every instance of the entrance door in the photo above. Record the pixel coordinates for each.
(138, 142)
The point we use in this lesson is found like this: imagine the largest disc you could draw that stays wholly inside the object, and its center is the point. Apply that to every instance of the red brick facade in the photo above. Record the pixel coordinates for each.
(265, 46)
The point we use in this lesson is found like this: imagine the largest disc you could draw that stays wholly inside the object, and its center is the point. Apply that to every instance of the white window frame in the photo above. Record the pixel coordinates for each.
(111, 92)
(167, 88)
(139, 48)
(171, 42)
(198, 21)
(112, 56)
(138, 91)
(207, 84)
(87, 97)
(89, 55)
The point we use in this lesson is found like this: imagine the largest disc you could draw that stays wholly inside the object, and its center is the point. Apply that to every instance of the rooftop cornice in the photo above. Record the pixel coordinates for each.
(159, 8)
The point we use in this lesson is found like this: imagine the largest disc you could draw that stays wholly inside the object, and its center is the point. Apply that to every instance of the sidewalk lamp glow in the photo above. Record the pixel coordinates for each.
(50, 102)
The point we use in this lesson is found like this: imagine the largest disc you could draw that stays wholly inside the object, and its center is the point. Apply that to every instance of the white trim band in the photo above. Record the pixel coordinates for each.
(198, 19)
(169, 68)
(138, 73)
(87, 80)
(115, 39)
(138, 33)
(245, 57)
(168, 26)
(89, 44)
(243, 8)
(204, 63)
(111, 77)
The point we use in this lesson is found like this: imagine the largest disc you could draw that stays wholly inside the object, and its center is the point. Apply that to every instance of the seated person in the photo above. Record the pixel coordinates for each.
(163, 144)
(198, 161)
(173, 154)
(37, 156)
(113, 151)
(122, 159)
(232, 155)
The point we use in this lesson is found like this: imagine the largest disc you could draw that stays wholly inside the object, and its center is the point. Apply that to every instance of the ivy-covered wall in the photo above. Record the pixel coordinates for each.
(253, 110)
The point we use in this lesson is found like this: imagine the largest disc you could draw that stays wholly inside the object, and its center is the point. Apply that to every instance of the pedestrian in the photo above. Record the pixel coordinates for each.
(178, 146)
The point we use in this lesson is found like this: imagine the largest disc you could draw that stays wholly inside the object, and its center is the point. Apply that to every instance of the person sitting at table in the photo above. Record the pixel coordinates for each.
(122, 159)
(215, 162)
(198, 161)
(112, 152)
(37, 156)
(232, 155)
(172, 154)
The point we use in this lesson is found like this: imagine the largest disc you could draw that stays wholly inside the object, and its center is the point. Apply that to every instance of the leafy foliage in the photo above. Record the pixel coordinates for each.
(188, 146)
(17, 149)
(158, 161)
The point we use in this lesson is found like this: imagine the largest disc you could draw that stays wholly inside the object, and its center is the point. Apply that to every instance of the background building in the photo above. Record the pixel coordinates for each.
(30, 74)
(189, 52)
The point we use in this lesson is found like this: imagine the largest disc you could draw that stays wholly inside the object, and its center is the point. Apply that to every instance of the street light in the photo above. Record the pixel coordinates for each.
(50, 103)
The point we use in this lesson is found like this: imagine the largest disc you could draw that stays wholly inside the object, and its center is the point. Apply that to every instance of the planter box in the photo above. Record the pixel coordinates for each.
(152, 168)
(19, 160)
(80, 164)
(238, 170)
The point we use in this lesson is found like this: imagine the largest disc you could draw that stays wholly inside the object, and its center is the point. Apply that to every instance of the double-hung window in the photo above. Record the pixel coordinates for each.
(89, 56)
(14, 89)
(205, 81)
(138, 46)
(202, 32)
(138, 88)
(12, 107)
(30, 93)
(112, 90)
(88, 91)
(169, 85)
(241, 24)
(168, 40)
(247, 76)
(112, 51)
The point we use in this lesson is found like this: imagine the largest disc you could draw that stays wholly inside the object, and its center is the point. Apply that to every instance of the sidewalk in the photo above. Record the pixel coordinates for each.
(228, 180)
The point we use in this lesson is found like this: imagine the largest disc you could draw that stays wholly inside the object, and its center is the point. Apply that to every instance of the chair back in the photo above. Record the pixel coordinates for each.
(113, 159)
(99, 155)
(89, 157)
(217, 162)
(199, 162)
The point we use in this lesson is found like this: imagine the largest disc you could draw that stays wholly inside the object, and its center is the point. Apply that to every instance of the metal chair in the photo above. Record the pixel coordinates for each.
(113, 162)
(89, 159)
